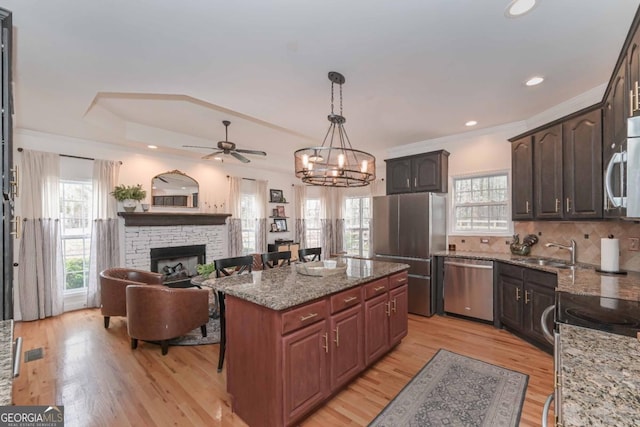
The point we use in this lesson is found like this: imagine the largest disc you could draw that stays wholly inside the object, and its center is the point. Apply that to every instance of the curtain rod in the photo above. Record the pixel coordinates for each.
(246, 179)
(68, 155)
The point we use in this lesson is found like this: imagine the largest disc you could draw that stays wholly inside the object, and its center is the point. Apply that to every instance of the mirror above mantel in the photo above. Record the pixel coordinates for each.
(174, 189)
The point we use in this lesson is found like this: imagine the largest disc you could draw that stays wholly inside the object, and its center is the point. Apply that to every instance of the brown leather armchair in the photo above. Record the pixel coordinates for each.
(159, 313)
(114, 281)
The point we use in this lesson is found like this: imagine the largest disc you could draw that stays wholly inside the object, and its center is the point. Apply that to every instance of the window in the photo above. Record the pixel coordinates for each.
(357, 217)
(313, 229)
(75, 220)
(248, 217)
(481, 204)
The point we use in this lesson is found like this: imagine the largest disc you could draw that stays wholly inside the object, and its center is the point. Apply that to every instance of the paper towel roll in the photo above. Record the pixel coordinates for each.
(610, 255)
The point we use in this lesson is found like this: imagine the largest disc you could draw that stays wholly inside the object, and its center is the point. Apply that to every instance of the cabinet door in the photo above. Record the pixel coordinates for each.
(536, 299)
(522, 173)
(582, 180)
(429, 172)
(399, 319)
(614, 136)
(304, 362)
(547, 173)
(376, 337)
(633, 60)
(510, 294)
(347, 345)
(398, 176)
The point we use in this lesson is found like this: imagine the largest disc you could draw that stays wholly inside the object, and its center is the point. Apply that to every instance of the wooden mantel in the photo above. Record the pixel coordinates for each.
(169, 218)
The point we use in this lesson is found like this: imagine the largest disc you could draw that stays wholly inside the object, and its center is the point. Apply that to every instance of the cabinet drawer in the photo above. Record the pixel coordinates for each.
(303, 316)
(345, 299)
(398, 279)
(511, 271)
(377, 287)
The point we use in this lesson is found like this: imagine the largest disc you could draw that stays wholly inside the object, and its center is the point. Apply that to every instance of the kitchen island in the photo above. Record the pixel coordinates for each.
(294, 340)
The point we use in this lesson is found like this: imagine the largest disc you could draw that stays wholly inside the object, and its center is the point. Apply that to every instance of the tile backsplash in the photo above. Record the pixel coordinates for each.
(586, 234)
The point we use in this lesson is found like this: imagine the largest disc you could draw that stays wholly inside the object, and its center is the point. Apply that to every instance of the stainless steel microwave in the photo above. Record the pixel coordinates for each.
(622, 174)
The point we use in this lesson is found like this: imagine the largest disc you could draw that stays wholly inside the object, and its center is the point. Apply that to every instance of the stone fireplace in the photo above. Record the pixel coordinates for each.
(169, 241)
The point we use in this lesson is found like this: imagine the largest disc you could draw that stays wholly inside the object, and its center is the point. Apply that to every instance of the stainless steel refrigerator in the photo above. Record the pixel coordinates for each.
(408, 228)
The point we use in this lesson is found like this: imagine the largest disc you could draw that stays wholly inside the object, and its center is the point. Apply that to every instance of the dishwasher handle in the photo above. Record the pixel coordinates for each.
(462, 264)
(543, 322)
(17, 351)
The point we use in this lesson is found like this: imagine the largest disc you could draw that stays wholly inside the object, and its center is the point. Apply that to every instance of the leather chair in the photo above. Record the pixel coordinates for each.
(160, 313)
(309, 254)
(114, 281)
(228, 267)
(276, 259)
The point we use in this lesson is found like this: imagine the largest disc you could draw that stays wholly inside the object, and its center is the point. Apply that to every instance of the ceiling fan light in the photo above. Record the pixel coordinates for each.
(533, 81)
(519, 7)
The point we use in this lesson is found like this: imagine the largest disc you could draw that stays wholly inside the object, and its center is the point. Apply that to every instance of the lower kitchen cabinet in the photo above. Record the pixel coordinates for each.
(523, 295)
(297, 358)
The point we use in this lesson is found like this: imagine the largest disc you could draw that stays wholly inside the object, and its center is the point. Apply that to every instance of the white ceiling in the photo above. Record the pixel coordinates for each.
(137, 72)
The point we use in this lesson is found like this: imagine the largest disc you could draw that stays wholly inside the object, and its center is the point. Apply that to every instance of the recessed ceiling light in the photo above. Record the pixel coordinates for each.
(534, 81)
(471, 123)
(519, 7)
(153, 147)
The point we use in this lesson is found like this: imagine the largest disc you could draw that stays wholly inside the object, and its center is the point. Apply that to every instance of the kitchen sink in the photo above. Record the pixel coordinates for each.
(548, 263)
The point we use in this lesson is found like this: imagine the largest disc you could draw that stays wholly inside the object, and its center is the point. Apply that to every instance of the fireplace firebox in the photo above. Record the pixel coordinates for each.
(178, 263)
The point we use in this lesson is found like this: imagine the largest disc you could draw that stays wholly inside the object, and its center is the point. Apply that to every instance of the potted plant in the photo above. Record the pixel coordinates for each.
(129, 195)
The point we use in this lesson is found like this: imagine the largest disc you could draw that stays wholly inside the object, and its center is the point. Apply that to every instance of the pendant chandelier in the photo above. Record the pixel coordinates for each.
(335, 163)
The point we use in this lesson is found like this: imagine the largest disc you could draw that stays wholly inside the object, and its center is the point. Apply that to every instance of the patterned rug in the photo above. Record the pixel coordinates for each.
(454, 390)
(195, 336)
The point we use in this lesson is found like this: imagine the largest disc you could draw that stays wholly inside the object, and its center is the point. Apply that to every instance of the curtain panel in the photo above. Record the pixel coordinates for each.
(234, 222)
(105, 237)
(261, 221)
(40, 269)
(299, 199)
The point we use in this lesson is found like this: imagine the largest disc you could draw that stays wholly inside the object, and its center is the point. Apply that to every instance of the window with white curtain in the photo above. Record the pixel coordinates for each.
(75, 220)
(313, 229)
(481, 203)
(357, 216)
(248, 216)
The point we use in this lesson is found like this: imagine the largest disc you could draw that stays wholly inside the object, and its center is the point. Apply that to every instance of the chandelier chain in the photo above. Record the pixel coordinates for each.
(332, 98)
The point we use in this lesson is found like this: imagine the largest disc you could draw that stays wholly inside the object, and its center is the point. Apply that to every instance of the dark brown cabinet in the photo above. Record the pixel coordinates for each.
(557, 171)
(10, 223)
(426, 172)
(524, 293)
(376, 339)
(633, 68)
(582, 166)
(522, 172)
(347, 353)
(399, 317)
(547, 167)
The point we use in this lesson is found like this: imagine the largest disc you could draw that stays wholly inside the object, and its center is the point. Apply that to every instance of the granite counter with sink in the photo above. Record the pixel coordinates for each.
(600, 381)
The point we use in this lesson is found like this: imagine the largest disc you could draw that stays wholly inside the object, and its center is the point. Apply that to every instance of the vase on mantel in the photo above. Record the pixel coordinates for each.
(129, 205)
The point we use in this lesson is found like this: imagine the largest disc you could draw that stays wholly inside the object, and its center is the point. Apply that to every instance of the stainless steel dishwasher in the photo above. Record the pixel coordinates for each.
(468, 287)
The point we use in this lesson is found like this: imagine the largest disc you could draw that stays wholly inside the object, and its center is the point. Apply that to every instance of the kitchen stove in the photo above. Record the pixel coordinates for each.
(611, 315)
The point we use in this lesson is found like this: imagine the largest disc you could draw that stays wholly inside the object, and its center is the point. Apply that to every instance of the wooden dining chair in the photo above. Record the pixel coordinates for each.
(276, 259)
(309, 254)
(227, 267)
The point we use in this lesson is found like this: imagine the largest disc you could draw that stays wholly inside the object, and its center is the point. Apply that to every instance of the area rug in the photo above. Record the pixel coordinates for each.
(195, 337)
(455, 390)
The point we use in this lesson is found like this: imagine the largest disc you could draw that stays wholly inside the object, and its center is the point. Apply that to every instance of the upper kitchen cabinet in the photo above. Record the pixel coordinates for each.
(582, 166)
(633, 64)
(426, 172)
(547, 173)
(522, 172)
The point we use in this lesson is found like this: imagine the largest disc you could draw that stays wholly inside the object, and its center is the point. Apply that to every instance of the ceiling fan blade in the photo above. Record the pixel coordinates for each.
(209, 156)
(259, 153)
(197, 146)
(240, 157)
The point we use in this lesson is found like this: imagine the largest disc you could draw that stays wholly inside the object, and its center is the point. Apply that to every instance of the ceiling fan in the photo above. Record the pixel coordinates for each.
(228, 147)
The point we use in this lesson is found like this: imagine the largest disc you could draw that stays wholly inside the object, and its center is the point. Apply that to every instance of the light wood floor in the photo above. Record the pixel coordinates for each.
(102, 382)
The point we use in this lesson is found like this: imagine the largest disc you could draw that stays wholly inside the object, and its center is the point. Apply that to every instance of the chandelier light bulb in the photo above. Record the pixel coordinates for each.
(341, 160)
(305, 160)
(364, 166)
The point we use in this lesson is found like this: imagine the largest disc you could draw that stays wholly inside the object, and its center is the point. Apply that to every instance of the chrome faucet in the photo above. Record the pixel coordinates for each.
(571, 248)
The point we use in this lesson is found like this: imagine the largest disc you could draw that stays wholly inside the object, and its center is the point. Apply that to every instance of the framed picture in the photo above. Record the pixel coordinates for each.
(274, 212)
(281, 224)
(275, 196)
(274, 227)
(280, 210)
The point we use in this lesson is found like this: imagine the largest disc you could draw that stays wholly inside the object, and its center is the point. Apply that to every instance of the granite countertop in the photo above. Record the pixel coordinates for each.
(600, 381)
(283, 287)
(6, 361)
(583, 280)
